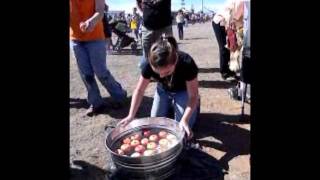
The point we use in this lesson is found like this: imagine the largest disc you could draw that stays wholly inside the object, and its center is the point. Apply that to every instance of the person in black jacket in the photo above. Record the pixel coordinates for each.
(157, 20)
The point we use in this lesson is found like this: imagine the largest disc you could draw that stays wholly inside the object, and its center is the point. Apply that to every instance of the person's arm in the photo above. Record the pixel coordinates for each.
(192, 89)
(226, 13)
(90, 23)
(238, 11)
(238, 14)
(139, 5)
(136, 100)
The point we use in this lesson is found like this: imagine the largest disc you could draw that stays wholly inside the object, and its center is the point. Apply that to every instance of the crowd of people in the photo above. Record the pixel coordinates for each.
(174, 71)
(133, 21)
(199, 17)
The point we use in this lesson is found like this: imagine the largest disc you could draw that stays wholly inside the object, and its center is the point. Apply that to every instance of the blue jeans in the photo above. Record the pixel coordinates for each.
(180, 30)
(143, 62)
(162, 101)
(91, 60)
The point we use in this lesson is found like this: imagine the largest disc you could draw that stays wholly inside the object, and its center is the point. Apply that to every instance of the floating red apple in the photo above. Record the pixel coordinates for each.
(135, 143)
(163, 142)
(125, 148)
(120, 152)
(151, 145)
(140, 148)
(135, 137)
(153, 138)
(148, 152)
(146, 133)
(135, 154)
(162, 134)
(126, 141)
(144, 141)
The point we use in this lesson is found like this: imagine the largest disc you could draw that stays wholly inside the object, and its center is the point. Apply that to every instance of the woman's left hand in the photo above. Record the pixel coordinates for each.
(186, 127)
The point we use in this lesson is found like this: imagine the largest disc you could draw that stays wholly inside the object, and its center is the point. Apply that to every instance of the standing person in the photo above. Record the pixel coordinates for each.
(186, 17)
(176, 74)
(139, 24)
(201, 17)
(180, 20)
(107, 29)
(122, 17)
(157, 20)
(128, 19)
(134, 26)
(242, 90)
(246, 70)
(88, 43)
(220, 20)
(193, 18)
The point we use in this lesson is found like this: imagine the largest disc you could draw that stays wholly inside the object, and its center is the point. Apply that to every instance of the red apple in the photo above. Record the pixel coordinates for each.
(163, 142)
(135, 154)
(120, 152)
(162, 134)
(151, 145)
(135, 137)
(172, 138)
(135, 143)
(140, 148)
(153, 137)
(126, 141)
(148, 152)
(146, 133)
(125, 148)
(144, 141)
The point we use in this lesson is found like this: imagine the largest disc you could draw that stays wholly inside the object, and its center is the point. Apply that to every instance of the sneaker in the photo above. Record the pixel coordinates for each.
(224, 76)
(230, 78)
(234, 93)
(231, 74)
(95, 110)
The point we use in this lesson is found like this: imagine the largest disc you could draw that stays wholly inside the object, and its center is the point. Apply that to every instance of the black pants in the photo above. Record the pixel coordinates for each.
(246, 70)
(224, 53)
(180, 30)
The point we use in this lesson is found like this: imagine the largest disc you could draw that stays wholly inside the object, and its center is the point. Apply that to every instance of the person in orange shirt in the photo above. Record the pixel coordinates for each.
(89, 46)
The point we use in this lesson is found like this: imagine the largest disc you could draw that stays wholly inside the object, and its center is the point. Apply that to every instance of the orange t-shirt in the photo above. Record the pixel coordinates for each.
(80, 11)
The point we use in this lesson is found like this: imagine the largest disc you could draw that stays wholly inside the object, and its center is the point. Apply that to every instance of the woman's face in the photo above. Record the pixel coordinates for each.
(164, 71)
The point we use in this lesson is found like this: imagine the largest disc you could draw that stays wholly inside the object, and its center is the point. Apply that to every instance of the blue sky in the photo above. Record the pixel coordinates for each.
(127, 5)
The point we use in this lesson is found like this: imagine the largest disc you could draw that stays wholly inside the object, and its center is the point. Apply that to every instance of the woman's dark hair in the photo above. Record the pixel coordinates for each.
(163, 52)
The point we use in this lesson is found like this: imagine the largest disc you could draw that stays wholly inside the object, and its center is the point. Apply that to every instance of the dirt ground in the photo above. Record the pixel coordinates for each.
(217, 131)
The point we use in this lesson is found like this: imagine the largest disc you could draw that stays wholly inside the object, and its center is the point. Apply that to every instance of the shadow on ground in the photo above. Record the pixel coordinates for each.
(209, 70)
(78, 103)
(195, 38)
(144, 109)
(217, 84)
(234, 140)
(193, 164)
(82, 170)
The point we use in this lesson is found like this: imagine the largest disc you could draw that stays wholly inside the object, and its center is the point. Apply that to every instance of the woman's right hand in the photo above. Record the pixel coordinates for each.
(125, 121)
(86, 26)
(186, 127)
